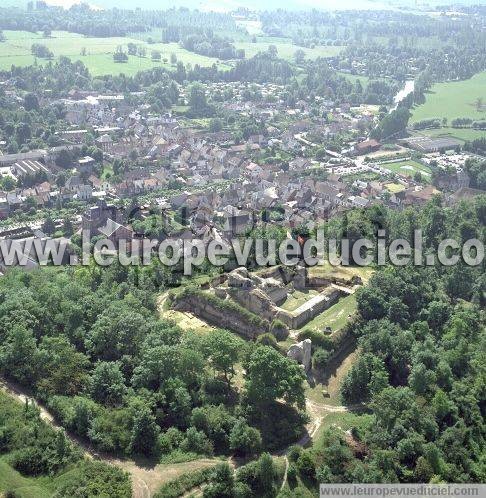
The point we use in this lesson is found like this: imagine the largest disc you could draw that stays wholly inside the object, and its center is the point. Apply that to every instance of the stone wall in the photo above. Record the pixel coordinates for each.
(320, 282)
(309, 310)
(256, 301)
(210, 313)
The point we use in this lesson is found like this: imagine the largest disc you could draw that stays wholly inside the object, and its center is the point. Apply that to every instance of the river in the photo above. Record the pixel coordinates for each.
(407, 89)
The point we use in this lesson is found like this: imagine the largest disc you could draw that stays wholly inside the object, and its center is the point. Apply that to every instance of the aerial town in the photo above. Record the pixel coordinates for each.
(200, 126)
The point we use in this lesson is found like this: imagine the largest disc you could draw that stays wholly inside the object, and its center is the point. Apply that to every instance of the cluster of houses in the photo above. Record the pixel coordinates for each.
(222, 186)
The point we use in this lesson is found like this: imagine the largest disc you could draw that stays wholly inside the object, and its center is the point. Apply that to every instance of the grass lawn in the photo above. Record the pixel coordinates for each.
(24, 487)
(408, 168)
(327, 269)
(188, 321)
(454, 100)
(394, 187)
(107, 171)
(297, 299)
(335, 317)
(354, 78)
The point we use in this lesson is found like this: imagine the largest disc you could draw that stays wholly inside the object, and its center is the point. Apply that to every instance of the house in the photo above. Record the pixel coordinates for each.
(43, 188)
(4, 206)
(299, 164)
(74, 136)
(414, 196)
(14, 200)
(98, 183)
(73, 183)
(366, 147)
(116, 232)
(105, 142)
(85, 165)
(84, 192)
(96, 216)
(237, 224)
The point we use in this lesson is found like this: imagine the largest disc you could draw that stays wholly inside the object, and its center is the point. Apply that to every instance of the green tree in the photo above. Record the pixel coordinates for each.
(145, 432)
(107, 384)
(245, 440)
(222, 349)
(270, 375)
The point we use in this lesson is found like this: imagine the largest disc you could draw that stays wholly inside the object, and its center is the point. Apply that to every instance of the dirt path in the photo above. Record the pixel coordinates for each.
(146, 477)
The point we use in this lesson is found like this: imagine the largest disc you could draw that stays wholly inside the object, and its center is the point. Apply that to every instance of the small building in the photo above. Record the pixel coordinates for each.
(85, 165)
(29, 167)
(366, 147)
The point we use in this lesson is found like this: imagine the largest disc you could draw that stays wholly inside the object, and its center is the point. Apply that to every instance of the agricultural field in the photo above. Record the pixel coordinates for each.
(456, 99)
(98, 58)
(16, 50)
(286, 49)
(462, 134)
(408, 168)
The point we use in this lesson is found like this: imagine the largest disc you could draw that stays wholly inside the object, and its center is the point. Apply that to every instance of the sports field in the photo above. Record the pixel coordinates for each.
(455, 99)
(408, 168)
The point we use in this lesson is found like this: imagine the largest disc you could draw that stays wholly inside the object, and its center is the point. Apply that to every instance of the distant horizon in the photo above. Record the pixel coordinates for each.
(230, 5)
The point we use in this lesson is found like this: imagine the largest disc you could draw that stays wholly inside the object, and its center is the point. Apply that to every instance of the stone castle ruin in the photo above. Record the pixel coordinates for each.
(301, 353)
(250, 303)
(263, 293)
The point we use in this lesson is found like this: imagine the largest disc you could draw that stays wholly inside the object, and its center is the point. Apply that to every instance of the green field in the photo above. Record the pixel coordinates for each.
(454, 100)
(462, 134)
(99, 52)
(336, 316)
(354, 77)
(286, 50)
(408, 168)
(298, 298)
(16, 50)
(24, 487)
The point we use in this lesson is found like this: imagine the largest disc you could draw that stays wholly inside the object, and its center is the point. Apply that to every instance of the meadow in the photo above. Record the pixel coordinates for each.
(99, 52)
(286, 50)
(462, 134)
(456, 99)
(98, 58)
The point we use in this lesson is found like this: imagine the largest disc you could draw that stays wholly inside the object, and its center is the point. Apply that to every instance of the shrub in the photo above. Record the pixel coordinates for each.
(95, 479)
(320, 359)
(197, 442)
(267, 340)
(245, 440)
(292, 473)
(294, 453)
(319, 340)
(279, 330)
(184, 483)
(306, 465)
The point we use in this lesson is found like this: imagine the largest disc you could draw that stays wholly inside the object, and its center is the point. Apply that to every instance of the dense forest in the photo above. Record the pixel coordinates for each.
(90, 344)
(113, 22)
